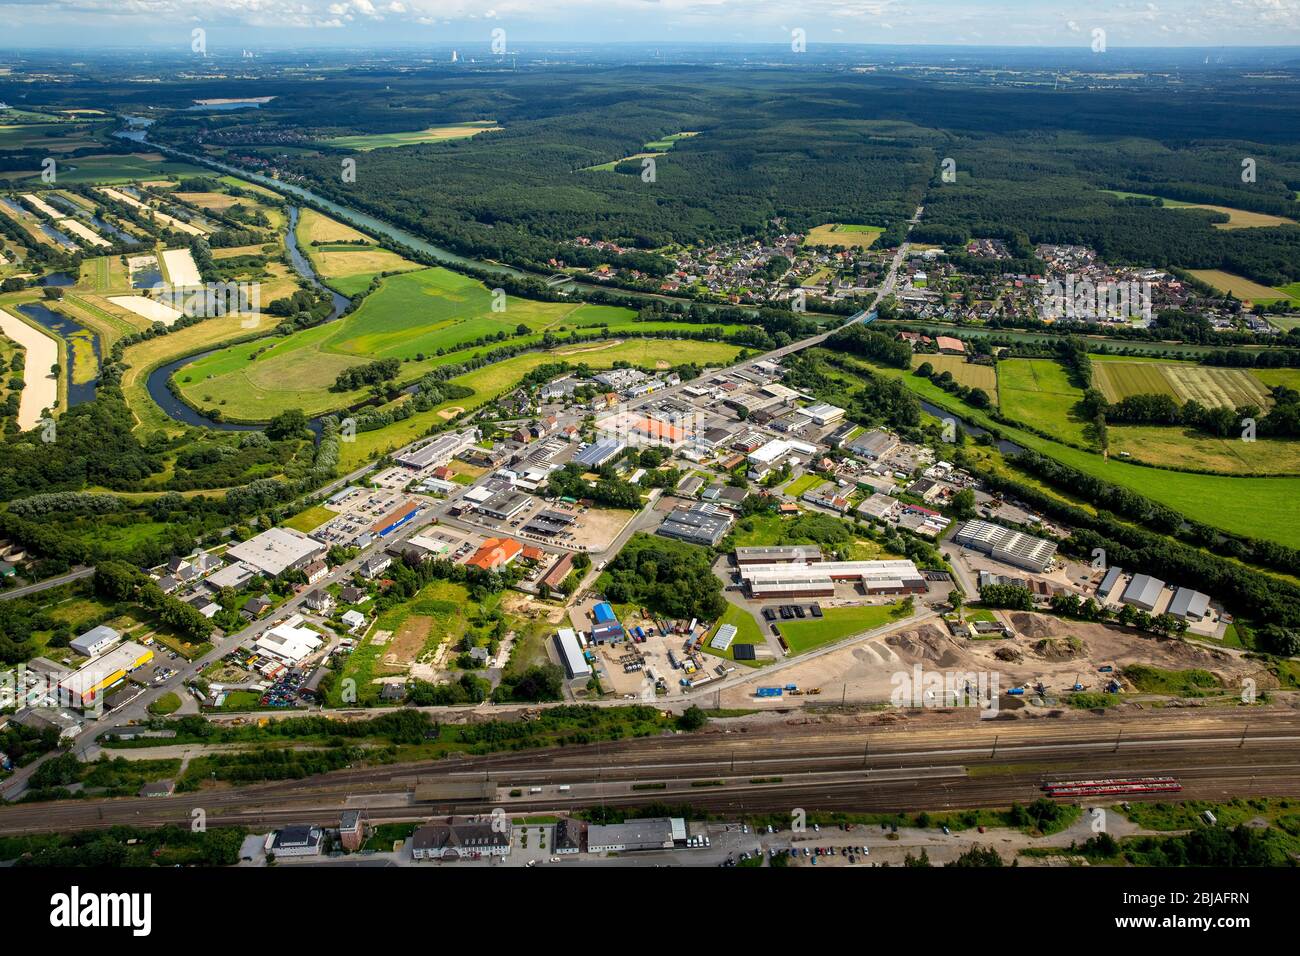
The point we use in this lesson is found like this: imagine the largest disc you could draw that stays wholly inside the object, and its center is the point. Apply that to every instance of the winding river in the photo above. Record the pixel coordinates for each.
(156, 383)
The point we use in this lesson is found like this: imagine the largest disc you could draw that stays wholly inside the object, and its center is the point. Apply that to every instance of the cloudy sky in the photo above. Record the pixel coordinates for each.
(278, 23)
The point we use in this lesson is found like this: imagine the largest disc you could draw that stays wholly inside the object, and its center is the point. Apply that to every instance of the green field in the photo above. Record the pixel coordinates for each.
(411, 317)
(309, 519)
(970, 374)
(843, 234)
(1247, 290)
(747, 632)
(1258, 507)
(1038, 392)
(435, 134)
(654, 148)
(836, 624)
(803, 483)
(1211, 386)
(113, 168)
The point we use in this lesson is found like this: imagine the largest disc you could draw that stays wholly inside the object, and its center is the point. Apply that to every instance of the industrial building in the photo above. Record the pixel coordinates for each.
(793, 554)
(439, 451)
(1003, 544)
(657, 833)
(600, 452)
(289, 642)
(575, 664)
(1108, 583)
(1189, 605)
(1143, 592)
(504, 505)
(824, 414)
(819, 580)
(395, 519)
(723, 638)
(95, 641)
(701, 524)
(873, 445)
(87, 684)
(277, 550)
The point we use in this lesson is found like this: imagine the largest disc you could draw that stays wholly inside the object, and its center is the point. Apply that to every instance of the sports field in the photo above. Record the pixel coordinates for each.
(1212, 387)
(433, 134)
(1038, 392)
(843, 234)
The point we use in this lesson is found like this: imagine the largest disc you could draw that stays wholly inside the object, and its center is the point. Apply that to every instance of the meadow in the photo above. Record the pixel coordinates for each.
(434, 134)
(966, 373)
(345, 259)
(1038, 392)
(413, 317)
(1254, 506)
(1247, 290)
(1211, 386)
(843, 234)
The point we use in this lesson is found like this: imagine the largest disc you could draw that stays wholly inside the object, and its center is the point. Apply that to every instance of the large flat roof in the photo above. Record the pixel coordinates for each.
(93, 674)
(275, 550)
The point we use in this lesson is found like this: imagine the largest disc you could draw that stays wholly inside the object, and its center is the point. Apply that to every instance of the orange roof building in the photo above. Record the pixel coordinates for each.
(495, 553)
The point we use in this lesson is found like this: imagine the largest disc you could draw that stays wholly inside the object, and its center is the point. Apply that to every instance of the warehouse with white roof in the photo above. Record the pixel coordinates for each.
(575, 664)
(1003, 544)
(819, 580)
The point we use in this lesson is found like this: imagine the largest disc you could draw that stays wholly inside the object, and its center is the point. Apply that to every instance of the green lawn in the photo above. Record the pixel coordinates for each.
(166, 704)
(835, 624)
(411, 317)
(310, 519)
(1258, 507)
(747, 632)
(1038, 392)
(804, 482)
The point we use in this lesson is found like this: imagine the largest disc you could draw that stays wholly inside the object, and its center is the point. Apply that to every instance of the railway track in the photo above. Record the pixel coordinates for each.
(830, 769)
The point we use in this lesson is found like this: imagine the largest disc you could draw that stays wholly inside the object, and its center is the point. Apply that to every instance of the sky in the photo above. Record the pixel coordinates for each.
(267, 24)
